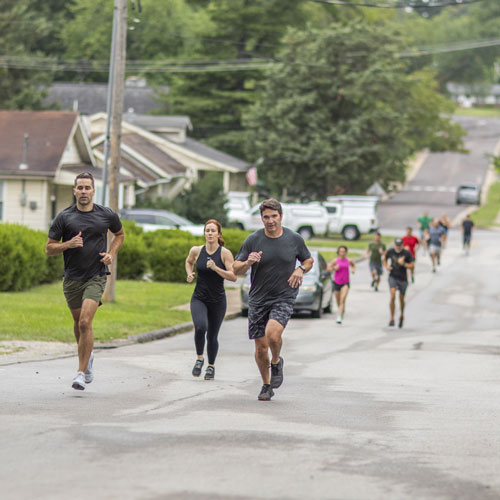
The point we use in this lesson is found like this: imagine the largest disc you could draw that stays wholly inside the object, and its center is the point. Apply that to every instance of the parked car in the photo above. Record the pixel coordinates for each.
(315, 294)
(468, 193)
(151, 219)
(351, 216)
(306, 219)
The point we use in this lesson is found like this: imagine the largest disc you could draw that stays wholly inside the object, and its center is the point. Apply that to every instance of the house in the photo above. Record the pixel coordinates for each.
(479, 94)
(164, 160)
(41, 152)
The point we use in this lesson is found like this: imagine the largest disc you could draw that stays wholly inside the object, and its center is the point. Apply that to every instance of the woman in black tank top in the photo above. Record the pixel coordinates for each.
(214, 264)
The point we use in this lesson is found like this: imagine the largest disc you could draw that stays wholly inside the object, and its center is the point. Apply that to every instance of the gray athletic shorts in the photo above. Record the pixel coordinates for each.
(400, 285)
(376, 267)
(259, 315)
(435, 249)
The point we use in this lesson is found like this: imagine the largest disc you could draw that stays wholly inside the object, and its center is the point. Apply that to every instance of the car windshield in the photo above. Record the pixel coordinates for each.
(180, 221)
(468, 188)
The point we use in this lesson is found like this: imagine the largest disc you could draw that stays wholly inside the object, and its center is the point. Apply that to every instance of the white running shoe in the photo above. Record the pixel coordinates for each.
(79, 381)
(339, 319)
(89, 371)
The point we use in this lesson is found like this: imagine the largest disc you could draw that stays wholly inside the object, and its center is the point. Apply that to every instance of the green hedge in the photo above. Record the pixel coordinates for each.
(23, 262)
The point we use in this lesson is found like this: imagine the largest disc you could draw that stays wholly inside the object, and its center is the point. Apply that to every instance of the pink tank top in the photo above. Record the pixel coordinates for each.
(341, 276)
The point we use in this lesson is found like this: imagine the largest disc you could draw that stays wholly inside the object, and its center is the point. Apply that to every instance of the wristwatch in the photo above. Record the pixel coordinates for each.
(303, 268)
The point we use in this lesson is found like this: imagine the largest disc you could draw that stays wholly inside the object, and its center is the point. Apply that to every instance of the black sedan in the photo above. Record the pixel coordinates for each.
(315, 294)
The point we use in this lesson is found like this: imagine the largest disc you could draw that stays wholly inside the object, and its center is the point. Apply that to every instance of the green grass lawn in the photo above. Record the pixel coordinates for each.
(486, 215)
(41, 313)
(481, 112)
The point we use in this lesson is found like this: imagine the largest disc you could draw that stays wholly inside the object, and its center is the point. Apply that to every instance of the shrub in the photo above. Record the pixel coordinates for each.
(23, 262)
(233, 239)
(167, 257)
(132, 259)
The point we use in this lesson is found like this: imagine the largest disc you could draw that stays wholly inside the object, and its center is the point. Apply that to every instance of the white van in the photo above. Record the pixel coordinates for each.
(307, 220)
(237, 205)
(351, 216)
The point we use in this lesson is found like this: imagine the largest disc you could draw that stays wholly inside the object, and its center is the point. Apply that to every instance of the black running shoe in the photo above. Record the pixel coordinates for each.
(277, 373)
(197, 367)
(266, 393)
(391, 323)
(210, 373)
(400, 324)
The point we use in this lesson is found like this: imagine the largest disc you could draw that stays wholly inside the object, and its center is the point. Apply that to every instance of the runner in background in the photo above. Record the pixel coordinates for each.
(374, 252)
(424, 223)
(445, 224)
(411, 243)
(467, 227)
(341, 280)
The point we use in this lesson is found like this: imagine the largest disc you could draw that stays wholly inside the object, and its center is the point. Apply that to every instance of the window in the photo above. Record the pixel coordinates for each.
(1, 199)
(143, 218)
(164, 221)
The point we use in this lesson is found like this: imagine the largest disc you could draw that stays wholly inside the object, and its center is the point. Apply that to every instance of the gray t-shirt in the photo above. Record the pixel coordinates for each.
(269, 277)
(435, 234)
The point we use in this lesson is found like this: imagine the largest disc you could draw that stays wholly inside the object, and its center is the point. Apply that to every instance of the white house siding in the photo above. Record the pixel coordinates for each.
(35, 192)
(64, 197)
(71, 155)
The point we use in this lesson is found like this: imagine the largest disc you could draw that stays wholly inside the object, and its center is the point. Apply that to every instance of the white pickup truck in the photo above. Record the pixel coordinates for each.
(351, 215)
(307, 220)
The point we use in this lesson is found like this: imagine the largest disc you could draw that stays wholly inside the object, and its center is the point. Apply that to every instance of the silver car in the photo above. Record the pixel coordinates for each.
(315, 294)
(468, 193)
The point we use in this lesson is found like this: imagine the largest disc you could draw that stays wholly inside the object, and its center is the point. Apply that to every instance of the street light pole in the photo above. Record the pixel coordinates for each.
(115, 122)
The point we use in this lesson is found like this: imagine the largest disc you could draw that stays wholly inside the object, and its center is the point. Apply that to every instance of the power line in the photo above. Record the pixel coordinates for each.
(400, 5)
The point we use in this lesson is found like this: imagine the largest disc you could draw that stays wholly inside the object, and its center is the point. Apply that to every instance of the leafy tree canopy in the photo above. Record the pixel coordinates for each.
(341, 112)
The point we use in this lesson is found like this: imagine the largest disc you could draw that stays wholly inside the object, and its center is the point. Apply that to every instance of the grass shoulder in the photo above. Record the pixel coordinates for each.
(484, 112)
(42, 314)
(486, 215)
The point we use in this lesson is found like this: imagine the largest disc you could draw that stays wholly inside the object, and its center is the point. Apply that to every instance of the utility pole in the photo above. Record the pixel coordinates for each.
(117, 80)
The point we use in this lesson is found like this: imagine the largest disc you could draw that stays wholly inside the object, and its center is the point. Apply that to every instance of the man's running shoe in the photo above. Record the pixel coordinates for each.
(376, 288)
(373, 283)
(391, 323)
(266, 393)
(197, 367)
(400, 324)
(89, 371)
(413, 279)
(210, 373)
(433, 269)
(79, 382)
(277, 373)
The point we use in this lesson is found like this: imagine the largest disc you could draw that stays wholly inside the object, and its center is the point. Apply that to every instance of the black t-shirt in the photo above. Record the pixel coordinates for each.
(209, 284)
(83, 263)
(467, 225)
(398, 271)
(270, 276)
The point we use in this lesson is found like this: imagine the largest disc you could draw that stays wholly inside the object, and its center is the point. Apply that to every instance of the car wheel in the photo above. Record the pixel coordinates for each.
(244, 313)
(317, 312)
(306, 233)
(350, 233)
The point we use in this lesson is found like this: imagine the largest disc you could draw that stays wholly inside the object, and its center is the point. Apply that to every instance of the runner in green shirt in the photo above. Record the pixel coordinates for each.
(374, 252)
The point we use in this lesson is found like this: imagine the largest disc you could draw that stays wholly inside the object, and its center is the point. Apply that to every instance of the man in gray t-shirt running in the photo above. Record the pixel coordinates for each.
(272, 254)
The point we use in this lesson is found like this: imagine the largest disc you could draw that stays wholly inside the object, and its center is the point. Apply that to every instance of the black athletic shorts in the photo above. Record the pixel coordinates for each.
(258, 316)
(400, 285)
(337, 287)
(467, 238)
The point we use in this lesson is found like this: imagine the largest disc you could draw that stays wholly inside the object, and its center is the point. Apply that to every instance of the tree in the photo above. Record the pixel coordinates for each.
(20, 32)
(239, 29)
(341, 112)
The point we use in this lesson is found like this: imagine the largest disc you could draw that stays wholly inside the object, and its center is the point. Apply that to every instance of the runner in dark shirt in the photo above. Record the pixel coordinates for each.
(397, 261)
(467, 226)
(272, 254)
(83, 229)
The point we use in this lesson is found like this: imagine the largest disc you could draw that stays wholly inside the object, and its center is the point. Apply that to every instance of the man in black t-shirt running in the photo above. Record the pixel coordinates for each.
(272, 254)
(83, 229)
(397, 261)
(467, 226)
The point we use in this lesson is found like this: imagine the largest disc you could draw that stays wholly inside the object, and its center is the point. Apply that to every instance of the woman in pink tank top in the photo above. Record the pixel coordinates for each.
(341, 280)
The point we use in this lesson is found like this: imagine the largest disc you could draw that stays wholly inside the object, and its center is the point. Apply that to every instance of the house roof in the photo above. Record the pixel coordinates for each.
(92, 97)
(214, 154)
(96, 172)
(48, 134)
(159, 123)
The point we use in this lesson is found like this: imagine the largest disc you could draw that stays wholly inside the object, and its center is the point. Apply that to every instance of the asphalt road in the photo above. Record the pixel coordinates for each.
(365, 411)
(434, 187)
